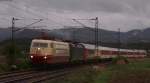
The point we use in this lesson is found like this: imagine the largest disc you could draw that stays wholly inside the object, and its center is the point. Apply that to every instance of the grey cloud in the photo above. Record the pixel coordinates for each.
(81, 5)
(125, 14)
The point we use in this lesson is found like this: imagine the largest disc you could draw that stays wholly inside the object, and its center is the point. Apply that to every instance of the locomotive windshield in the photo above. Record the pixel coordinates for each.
(36, 44)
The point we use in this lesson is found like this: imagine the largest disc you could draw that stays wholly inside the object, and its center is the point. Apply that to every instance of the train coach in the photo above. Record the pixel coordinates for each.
(57, 52)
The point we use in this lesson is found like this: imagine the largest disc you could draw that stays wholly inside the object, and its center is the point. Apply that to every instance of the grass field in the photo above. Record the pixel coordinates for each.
(133, 72)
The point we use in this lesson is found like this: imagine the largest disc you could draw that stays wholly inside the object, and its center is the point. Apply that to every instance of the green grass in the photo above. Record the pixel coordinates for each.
(131, 76)
(135, 72)
(23, 64)
(20, 66)
(83, 75)
(103, 77)
(4, 68)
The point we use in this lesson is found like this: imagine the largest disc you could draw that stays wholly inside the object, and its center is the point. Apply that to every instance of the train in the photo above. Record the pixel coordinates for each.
(57, 52)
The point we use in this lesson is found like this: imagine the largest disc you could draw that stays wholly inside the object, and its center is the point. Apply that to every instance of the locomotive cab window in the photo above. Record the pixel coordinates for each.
(36, 44)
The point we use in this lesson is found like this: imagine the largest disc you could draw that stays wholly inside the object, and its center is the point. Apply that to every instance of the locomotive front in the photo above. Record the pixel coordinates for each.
(40, 51)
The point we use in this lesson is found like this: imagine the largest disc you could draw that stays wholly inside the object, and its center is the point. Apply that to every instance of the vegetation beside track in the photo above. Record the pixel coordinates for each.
(133, 72)
(82, 75)
(19, 61)
(21, 65)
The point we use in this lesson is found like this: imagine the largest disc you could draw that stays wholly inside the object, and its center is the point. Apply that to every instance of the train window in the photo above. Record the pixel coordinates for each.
(43, 45)
(40, 45)
(57, 45)
(35, 45)
(63, 51)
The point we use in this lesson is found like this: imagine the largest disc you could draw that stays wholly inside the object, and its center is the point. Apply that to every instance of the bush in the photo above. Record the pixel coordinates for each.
(11, 52)
(24, 64)
(118, 58)
(4, 68)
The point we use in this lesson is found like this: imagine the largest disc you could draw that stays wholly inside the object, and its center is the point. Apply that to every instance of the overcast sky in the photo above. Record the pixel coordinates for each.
(112, 14)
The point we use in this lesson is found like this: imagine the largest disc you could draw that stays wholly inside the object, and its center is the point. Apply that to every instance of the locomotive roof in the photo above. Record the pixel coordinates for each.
(48, 41)
(42, 41)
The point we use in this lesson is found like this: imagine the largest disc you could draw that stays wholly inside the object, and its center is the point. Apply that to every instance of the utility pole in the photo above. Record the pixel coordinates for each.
(12, 35)
(12, 30)
(95, 30)
(13, 46)
(119, 42)
(74, 36)
(96, 35)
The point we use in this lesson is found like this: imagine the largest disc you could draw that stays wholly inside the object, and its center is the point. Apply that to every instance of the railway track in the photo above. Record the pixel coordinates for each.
(38, 76)
(33, 76)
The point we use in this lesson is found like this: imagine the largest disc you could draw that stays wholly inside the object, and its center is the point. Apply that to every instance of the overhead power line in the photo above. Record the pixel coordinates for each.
(27, 26)
(96, 31)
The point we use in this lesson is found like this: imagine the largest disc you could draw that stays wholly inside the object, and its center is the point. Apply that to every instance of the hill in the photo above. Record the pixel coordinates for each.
(131, 39)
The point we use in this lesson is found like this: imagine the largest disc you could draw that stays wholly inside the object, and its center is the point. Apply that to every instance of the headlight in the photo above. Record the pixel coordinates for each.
(31, 56)
(45, 57)
(38, 48)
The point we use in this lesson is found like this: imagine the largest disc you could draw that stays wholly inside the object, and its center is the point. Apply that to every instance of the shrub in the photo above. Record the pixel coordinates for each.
(118, 58)
(11, 51)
